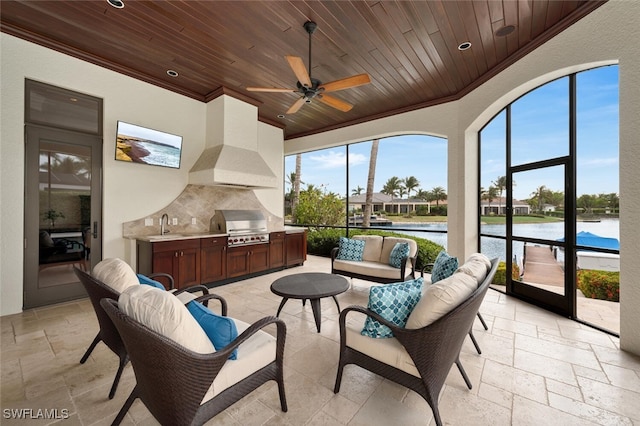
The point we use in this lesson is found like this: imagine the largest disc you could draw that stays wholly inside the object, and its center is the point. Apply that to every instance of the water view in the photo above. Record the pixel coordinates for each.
(493, 247)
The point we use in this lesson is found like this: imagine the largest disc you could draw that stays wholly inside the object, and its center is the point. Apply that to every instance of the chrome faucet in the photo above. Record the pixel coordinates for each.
(162, 229)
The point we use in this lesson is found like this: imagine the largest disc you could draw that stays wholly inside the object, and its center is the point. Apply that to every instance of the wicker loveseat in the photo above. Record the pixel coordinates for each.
(374, 265)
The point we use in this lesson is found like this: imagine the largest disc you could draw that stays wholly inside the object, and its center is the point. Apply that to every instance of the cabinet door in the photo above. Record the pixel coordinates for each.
(237, 261)
(276, 250)
(163, 261)
(296, 248)
(259, 258)
(213, 261)
(188, 267)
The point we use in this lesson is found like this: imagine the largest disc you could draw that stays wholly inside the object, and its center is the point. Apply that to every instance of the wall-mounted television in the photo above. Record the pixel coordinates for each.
(142, 145)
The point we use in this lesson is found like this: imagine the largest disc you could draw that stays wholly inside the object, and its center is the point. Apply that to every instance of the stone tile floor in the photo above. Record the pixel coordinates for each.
(536, 368)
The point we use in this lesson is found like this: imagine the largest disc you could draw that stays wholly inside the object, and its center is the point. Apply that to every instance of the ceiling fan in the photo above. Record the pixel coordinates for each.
(311, 88)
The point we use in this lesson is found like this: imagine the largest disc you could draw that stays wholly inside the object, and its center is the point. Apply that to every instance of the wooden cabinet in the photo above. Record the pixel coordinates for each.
(213, 259)
(295, 248)
(179, 258)
(245, 260)
(276, 250)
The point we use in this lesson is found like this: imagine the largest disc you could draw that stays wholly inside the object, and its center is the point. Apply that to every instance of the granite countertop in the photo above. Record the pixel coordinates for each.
(294, 229)
(176, 236)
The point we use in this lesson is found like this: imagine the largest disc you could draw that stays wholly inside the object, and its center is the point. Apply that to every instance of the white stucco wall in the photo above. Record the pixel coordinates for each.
(605, 36)
(130, 191)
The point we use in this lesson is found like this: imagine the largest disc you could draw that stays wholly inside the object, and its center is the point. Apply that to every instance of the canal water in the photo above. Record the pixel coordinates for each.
(493, 247)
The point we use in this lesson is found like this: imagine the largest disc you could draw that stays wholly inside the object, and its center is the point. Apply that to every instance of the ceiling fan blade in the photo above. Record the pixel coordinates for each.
(346, 83)
(296, 106)
(269, 89)
(335, 103)
(299, 70)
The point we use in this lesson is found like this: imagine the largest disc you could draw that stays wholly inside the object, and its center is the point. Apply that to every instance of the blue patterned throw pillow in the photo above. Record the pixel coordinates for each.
(398, 253)
(349, 249)
(443, 267)
(394, 302)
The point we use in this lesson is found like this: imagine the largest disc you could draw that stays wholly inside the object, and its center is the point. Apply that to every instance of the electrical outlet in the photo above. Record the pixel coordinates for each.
(148, 221)
(174, 221)
(194, 221)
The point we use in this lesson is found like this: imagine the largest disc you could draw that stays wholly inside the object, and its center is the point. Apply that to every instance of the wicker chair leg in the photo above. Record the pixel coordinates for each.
(484, 324)
(283, 397)
(125, 408)
(336, 387)
(475, 343)
(464, 375)
(91, 348)
(436, 415)
(114, 387)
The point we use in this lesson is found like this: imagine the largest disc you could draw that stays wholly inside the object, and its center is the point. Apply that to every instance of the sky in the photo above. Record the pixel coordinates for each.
(540, 129)
(150, 134)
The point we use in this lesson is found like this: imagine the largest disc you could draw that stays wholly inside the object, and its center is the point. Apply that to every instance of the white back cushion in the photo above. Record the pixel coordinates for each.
(115, 273)
(474, 267)
(440, 298)
(162, 312)
(372, 247)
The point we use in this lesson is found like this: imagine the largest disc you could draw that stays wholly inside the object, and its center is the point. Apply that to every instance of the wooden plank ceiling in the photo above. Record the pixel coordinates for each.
(409, 48)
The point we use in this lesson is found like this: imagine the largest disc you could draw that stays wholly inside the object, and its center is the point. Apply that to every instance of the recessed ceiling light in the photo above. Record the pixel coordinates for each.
(505, 31)
(73, 99)
(464, 45)
(172, 73)
(118, 4)
(280, 115)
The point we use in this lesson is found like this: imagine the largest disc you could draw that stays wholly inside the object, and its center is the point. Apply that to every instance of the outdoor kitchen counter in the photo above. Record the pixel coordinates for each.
(294, 229)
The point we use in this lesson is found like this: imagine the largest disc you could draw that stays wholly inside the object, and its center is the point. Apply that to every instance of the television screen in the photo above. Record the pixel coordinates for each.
(147, 146)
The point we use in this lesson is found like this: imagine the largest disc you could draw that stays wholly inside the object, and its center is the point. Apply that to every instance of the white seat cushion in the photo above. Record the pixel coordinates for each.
(372, 247)
(162, 312)
(388, 351)
(116, 274)
(257, 352)
(440, 298)
(376, 269)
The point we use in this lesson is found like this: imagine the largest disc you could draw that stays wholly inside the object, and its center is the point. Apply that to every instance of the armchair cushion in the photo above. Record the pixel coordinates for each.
(477, 266)
(399, 252)
(440, 298)
(143, 279)
(255, 353)
(116, 273)
(350, 249)
(393, 302)
(162, 312)
(221, 330)
(390, 242)
(443, 267)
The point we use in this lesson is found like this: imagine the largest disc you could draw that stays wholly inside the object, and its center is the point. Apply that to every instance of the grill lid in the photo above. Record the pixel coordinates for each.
(238, 222)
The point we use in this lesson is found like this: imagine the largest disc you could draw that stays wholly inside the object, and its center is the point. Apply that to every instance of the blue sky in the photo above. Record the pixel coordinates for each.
(540, 131)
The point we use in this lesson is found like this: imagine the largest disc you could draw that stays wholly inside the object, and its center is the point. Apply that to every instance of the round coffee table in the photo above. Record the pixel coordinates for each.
(310, 285)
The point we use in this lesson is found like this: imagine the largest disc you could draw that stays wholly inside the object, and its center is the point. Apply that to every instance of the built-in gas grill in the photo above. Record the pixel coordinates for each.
(242, 226)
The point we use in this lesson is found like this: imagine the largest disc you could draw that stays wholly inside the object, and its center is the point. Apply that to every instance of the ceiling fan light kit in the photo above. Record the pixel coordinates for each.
(311, 88)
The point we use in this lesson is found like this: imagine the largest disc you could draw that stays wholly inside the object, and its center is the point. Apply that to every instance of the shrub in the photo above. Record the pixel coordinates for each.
(500, 277)
(602, 285)
(321, 241)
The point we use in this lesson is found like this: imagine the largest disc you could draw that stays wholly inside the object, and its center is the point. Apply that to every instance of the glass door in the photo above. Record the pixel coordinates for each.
(62, 212)
(541, 250)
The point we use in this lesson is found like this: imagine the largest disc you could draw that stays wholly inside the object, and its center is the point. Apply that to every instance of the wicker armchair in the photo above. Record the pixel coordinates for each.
(172, 381)
(108, 334)
(432, 349)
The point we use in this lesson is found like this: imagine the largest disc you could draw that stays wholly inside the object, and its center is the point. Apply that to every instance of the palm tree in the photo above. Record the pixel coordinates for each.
(500, 184)
(411, 183)
(296, 187)
(423, 195)
(438, 193)
(368, 205)
(392, 187)
(357, 191)
(489, 195)
(539, 194)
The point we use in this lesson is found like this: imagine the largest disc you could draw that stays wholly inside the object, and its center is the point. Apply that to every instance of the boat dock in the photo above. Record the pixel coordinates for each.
(541, 267)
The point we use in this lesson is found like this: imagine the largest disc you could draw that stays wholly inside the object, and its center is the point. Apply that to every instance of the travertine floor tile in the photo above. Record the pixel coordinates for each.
(535, 368)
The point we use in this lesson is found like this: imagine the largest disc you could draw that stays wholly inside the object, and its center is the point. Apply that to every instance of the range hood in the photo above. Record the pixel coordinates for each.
(231, 157)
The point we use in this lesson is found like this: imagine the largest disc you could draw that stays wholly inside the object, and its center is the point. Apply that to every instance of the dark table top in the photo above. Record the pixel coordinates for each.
(310, 285)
